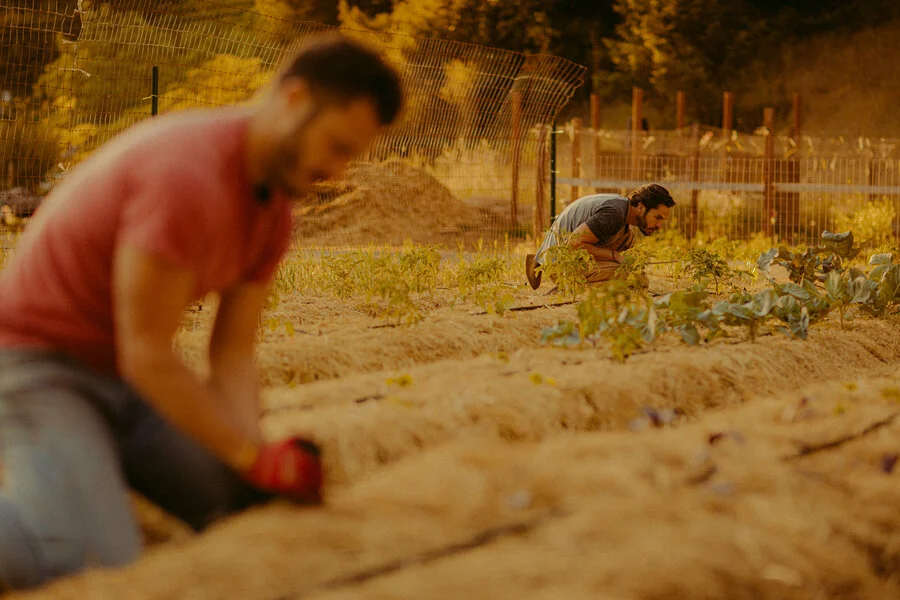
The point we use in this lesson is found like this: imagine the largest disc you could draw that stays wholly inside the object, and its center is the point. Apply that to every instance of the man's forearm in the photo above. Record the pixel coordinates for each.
(193, 406)
(600, 254)
(236, 379)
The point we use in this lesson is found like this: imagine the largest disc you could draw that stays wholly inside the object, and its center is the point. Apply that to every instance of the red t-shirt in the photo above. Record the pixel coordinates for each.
(173, 186)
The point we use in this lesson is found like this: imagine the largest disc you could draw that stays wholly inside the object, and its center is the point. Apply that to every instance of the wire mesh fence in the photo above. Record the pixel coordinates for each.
(459, 166)
(727, 184)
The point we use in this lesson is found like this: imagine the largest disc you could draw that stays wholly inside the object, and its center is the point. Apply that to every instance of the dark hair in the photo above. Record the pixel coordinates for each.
(651, 196)
(345, 69)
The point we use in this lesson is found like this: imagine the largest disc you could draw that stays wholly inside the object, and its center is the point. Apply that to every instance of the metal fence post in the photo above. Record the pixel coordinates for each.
(552, 172)
(154, 91)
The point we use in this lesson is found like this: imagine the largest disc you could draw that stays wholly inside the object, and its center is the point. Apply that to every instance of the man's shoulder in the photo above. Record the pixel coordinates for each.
(597, 200)
(190, 134)
(179, 148)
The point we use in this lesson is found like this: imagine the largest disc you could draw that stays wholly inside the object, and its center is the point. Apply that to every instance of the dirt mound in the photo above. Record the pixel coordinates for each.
(390, 203)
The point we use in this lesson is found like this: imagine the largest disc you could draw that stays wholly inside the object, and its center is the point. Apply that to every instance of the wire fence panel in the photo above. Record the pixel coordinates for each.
(727, 185)
(459, 166)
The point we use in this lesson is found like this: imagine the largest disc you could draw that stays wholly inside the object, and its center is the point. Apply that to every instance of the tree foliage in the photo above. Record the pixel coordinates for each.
(522, 25)
(692, 45)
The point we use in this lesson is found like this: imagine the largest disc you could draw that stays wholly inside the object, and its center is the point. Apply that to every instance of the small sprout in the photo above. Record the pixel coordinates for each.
(840, 408)
(536, 378)
(551, 381)
(289, 327)
(503, 357)
(401, 381)
(851, 386)
(888, 462)
(891, 393)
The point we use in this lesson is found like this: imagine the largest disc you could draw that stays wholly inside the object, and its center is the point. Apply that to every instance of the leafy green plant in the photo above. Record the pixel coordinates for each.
(791, 309)
(815, 263)
(420, 267)
(683, 311)
(747, 310)
(481, 281)
(703, 264)
(633, 267)
(886, 294)
(845, 289)
(395, 291)
(612, 314)
(567, 266)
(873, 223)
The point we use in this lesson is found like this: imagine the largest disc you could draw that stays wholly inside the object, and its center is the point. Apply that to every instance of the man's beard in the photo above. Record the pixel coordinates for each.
(287, 156)
(642, 225)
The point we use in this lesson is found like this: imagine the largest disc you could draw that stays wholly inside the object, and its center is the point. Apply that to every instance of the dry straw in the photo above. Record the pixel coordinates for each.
(715, 509)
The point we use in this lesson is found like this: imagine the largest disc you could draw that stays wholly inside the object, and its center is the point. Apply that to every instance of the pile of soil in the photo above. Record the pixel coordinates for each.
(389, 204)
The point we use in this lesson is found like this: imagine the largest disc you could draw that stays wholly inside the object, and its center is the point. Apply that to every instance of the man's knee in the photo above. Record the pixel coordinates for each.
(29, 559)
(602, 271)
(180, 476)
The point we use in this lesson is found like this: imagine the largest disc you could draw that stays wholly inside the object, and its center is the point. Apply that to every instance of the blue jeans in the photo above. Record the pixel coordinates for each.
(71, 444)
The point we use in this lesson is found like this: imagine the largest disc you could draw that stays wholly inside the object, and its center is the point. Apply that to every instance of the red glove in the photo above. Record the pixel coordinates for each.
(289, 468)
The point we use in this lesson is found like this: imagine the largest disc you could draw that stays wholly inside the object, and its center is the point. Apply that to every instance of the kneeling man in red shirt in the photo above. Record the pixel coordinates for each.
(93, 398)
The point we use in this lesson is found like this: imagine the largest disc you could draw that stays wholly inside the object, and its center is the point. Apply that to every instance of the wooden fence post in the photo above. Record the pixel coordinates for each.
(596, 123)
(727, 129)
(637, 120)
(516, 158)
(539, 223)
(768, 171)
(576, 157)
(727, 113)
(694, 224)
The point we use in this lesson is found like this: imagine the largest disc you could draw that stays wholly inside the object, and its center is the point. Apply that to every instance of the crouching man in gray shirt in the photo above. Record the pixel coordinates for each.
(603, 225)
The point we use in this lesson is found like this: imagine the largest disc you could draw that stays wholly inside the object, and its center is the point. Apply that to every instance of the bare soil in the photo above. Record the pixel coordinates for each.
(466, 460)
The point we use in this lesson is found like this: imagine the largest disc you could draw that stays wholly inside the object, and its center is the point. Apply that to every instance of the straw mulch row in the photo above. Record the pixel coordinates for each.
(339, 346)
(365, 421)
(791, 496)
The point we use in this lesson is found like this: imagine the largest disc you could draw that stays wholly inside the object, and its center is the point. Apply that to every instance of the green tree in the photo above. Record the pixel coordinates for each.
(694, 45)
(523, 25)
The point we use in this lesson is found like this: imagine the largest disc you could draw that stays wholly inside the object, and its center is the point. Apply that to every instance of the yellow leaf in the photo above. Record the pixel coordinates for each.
(401, 381)
(891, 393)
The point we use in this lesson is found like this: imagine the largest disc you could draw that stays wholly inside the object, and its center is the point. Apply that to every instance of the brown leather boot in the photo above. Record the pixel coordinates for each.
(534, 276)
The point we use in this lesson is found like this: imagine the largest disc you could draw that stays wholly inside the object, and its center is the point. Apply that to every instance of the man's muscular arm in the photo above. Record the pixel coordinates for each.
(233, 372)
(149, 297)
(583, 238)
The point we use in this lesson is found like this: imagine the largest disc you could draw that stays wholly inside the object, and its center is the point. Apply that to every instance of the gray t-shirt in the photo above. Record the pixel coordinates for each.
(604, 215)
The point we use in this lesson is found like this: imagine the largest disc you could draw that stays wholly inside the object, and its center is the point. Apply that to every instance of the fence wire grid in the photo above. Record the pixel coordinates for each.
(727, 185)
(460, 166)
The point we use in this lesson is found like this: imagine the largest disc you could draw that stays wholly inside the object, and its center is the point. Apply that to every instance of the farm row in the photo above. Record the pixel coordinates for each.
(727, 432)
